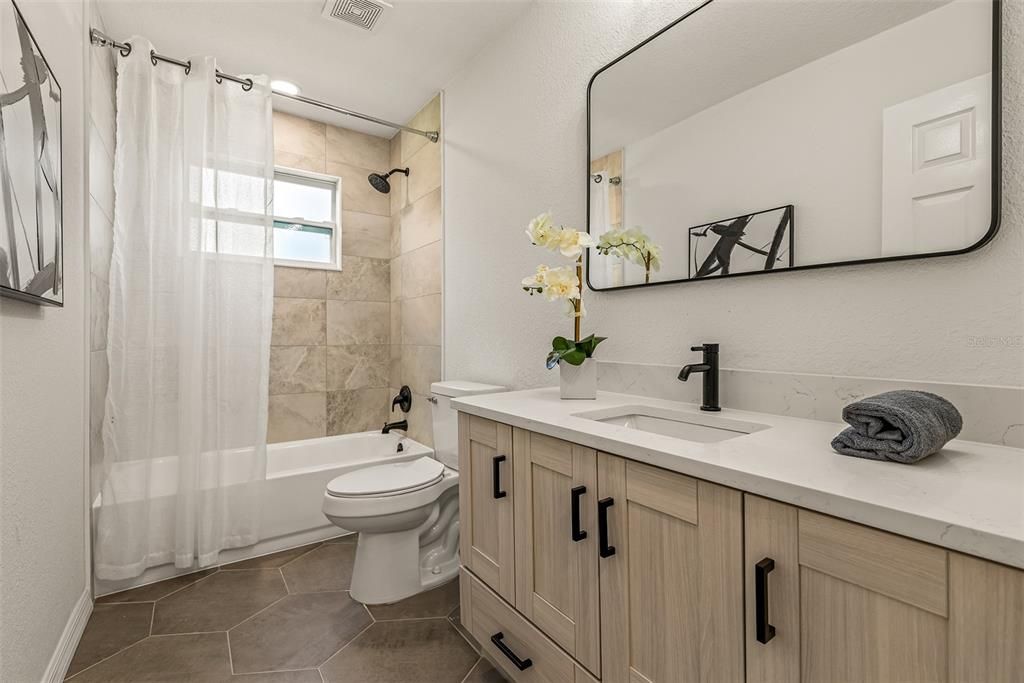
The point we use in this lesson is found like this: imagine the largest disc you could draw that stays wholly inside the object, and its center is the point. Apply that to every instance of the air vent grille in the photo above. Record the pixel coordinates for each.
(362, 13)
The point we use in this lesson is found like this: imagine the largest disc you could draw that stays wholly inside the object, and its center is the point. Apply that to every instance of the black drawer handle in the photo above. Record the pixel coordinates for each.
(762, 569)
(496, 476)
(602, 526)
(521, 664)
(577, 492)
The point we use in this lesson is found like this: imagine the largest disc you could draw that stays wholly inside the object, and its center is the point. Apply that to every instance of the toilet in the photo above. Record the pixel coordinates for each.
(406, 513)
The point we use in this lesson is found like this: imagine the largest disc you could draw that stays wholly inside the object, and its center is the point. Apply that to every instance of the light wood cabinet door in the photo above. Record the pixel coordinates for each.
(556, 542)
(671, 576)
(486, 493)
(831, 600)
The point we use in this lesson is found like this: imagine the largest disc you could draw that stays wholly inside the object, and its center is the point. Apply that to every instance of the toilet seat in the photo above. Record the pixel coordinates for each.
(392, 479)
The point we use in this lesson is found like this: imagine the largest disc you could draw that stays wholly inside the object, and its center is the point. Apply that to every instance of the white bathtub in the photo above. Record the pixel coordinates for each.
(297, 474)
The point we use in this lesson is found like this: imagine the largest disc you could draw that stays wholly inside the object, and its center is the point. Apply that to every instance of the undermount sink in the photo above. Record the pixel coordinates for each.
(679, 424)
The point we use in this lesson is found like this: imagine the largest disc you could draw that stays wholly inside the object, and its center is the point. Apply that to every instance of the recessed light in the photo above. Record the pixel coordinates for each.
(284, 87)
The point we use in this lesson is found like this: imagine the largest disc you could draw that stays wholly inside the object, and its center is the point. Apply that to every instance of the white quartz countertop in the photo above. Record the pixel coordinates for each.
(967, 497)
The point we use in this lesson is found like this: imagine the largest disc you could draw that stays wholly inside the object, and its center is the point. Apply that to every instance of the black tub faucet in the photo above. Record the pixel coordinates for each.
(401, 424)
(710, 369)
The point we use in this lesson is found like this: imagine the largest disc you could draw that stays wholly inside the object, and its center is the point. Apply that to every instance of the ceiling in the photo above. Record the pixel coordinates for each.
(389, 73)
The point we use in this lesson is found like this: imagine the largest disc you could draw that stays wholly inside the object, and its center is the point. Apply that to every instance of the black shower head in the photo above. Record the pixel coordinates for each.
(380, 182)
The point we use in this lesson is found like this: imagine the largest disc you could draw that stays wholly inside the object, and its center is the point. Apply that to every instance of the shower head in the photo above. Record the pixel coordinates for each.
(380, 182)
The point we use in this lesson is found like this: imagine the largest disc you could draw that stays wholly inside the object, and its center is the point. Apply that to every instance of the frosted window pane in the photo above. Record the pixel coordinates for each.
(302, 243)
(303, 201)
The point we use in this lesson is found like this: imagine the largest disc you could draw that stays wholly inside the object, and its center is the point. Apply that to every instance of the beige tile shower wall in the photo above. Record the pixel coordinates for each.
(416, 267)
(330, 347)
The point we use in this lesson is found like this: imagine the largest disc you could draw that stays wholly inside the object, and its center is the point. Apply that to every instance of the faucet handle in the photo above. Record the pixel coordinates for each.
(706, 348)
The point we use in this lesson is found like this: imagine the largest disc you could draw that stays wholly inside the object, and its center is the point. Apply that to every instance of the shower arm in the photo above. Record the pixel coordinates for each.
(100, 39)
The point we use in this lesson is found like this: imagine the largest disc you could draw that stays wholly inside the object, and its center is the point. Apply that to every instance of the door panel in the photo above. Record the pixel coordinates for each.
(936, 169)
(557, 584)
(671, 590)
(486, 543)
(851, 634)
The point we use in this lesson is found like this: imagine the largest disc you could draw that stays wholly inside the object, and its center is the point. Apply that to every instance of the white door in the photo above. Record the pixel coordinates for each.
(936, 169)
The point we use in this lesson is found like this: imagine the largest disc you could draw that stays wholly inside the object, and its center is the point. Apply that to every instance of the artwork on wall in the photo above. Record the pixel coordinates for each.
(31, 192)
(742, 244)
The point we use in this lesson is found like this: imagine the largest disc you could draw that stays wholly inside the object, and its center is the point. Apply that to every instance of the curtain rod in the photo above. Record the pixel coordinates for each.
(100, 39)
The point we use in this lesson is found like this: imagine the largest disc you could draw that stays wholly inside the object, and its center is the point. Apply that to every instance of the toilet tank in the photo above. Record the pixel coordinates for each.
(446, 420)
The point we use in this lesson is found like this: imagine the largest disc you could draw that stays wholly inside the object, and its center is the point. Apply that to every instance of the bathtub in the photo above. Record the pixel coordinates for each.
(297, 474)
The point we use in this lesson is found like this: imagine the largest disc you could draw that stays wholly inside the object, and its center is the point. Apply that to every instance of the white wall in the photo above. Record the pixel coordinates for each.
(516, 145)
(811, 137)
(43, 428)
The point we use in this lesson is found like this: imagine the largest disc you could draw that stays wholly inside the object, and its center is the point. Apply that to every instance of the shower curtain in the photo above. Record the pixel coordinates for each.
(191, 287)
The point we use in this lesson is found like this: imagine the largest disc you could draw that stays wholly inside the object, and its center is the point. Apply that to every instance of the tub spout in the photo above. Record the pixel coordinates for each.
(401, 424)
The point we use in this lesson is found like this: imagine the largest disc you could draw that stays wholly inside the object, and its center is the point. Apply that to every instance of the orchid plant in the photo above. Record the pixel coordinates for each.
(562, 283)
(633, 245)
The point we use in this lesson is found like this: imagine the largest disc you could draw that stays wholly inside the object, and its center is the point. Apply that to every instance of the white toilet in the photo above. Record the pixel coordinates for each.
(406, 513)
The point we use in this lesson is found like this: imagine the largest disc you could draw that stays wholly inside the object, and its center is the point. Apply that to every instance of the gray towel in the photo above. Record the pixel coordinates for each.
(902, 426)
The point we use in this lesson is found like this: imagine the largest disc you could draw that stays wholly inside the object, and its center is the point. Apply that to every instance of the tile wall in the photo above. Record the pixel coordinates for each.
(416, 267)
(330, 350)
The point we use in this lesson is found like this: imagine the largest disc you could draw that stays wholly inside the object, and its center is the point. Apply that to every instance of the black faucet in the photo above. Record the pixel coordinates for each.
(401, 424)
(710, 369)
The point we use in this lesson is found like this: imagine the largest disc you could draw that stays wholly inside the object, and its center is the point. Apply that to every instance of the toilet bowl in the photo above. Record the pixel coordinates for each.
(406, 513)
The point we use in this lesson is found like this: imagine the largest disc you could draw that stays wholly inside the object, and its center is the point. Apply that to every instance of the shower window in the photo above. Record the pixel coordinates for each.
(307, 219)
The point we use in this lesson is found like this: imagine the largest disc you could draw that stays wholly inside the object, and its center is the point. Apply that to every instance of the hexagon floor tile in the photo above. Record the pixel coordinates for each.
(297, 632)
(193, 657)
(111, 628)
(218, 602)
(438, 602)
(425, 651)
(326, 568)
(484, 672)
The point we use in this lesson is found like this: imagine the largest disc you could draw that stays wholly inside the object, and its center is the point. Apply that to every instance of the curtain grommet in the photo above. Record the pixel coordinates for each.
(247, 86)
(126, 50)
(152, 57)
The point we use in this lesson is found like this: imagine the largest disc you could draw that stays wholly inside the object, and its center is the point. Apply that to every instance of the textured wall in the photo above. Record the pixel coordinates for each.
(416, 267)
(43, 428)
(329, 357)
(515, 146)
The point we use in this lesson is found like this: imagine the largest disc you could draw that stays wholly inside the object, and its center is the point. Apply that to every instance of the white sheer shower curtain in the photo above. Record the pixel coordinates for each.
(191, 287)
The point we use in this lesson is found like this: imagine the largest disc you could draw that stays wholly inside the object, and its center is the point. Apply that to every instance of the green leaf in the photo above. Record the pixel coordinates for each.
(574, 357)
(561, 344)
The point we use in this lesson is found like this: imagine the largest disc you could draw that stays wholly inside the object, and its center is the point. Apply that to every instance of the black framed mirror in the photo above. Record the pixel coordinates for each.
(760, 137)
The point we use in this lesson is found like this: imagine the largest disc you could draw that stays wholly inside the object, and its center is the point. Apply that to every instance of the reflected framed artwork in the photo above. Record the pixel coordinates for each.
(742, 244)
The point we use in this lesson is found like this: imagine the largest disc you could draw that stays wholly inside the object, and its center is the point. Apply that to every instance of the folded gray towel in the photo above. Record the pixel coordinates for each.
(902, 426)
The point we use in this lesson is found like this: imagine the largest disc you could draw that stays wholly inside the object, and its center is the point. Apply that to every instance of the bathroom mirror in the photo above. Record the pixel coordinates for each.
(757, 137)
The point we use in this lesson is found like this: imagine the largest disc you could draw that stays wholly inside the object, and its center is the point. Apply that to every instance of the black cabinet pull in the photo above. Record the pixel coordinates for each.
(577, 492)
(762, 569)
(496, 476)
(521, 664)
(602, 526)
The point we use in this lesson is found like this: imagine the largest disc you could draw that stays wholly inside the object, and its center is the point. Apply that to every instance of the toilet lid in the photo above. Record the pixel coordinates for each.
(379, 480)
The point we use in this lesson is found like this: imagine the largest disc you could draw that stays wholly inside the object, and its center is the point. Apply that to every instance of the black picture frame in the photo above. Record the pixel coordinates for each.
(788, 216)
(18, 294)
(996, 161)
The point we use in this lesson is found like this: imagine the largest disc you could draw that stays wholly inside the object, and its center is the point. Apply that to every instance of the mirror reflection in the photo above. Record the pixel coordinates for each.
(762, 136)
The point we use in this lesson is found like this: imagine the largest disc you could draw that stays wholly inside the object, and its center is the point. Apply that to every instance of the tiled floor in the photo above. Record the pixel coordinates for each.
(282, 618)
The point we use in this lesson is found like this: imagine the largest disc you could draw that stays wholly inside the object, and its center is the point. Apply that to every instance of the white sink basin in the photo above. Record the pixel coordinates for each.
(679, 424)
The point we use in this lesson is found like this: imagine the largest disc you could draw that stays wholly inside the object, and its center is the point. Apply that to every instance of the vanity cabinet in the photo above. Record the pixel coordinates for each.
(486, 495)
(581, 566)
(556, 542)
(830, 600)
(671, 577)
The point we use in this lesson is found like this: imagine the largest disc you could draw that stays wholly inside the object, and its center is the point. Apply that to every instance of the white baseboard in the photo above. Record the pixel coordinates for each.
(68, 643)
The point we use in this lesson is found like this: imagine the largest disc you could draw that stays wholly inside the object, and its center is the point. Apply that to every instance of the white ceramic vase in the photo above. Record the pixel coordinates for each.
(578, 381)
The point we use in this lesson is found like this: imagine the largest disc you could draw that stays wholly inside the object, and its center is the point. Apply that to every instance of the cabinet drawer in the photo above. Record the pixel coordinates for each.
(506, 637)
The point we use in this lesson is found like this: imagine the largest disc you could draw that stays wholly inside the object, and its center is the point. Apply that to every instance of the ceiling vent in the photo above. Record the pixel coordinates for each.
(365, 14)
